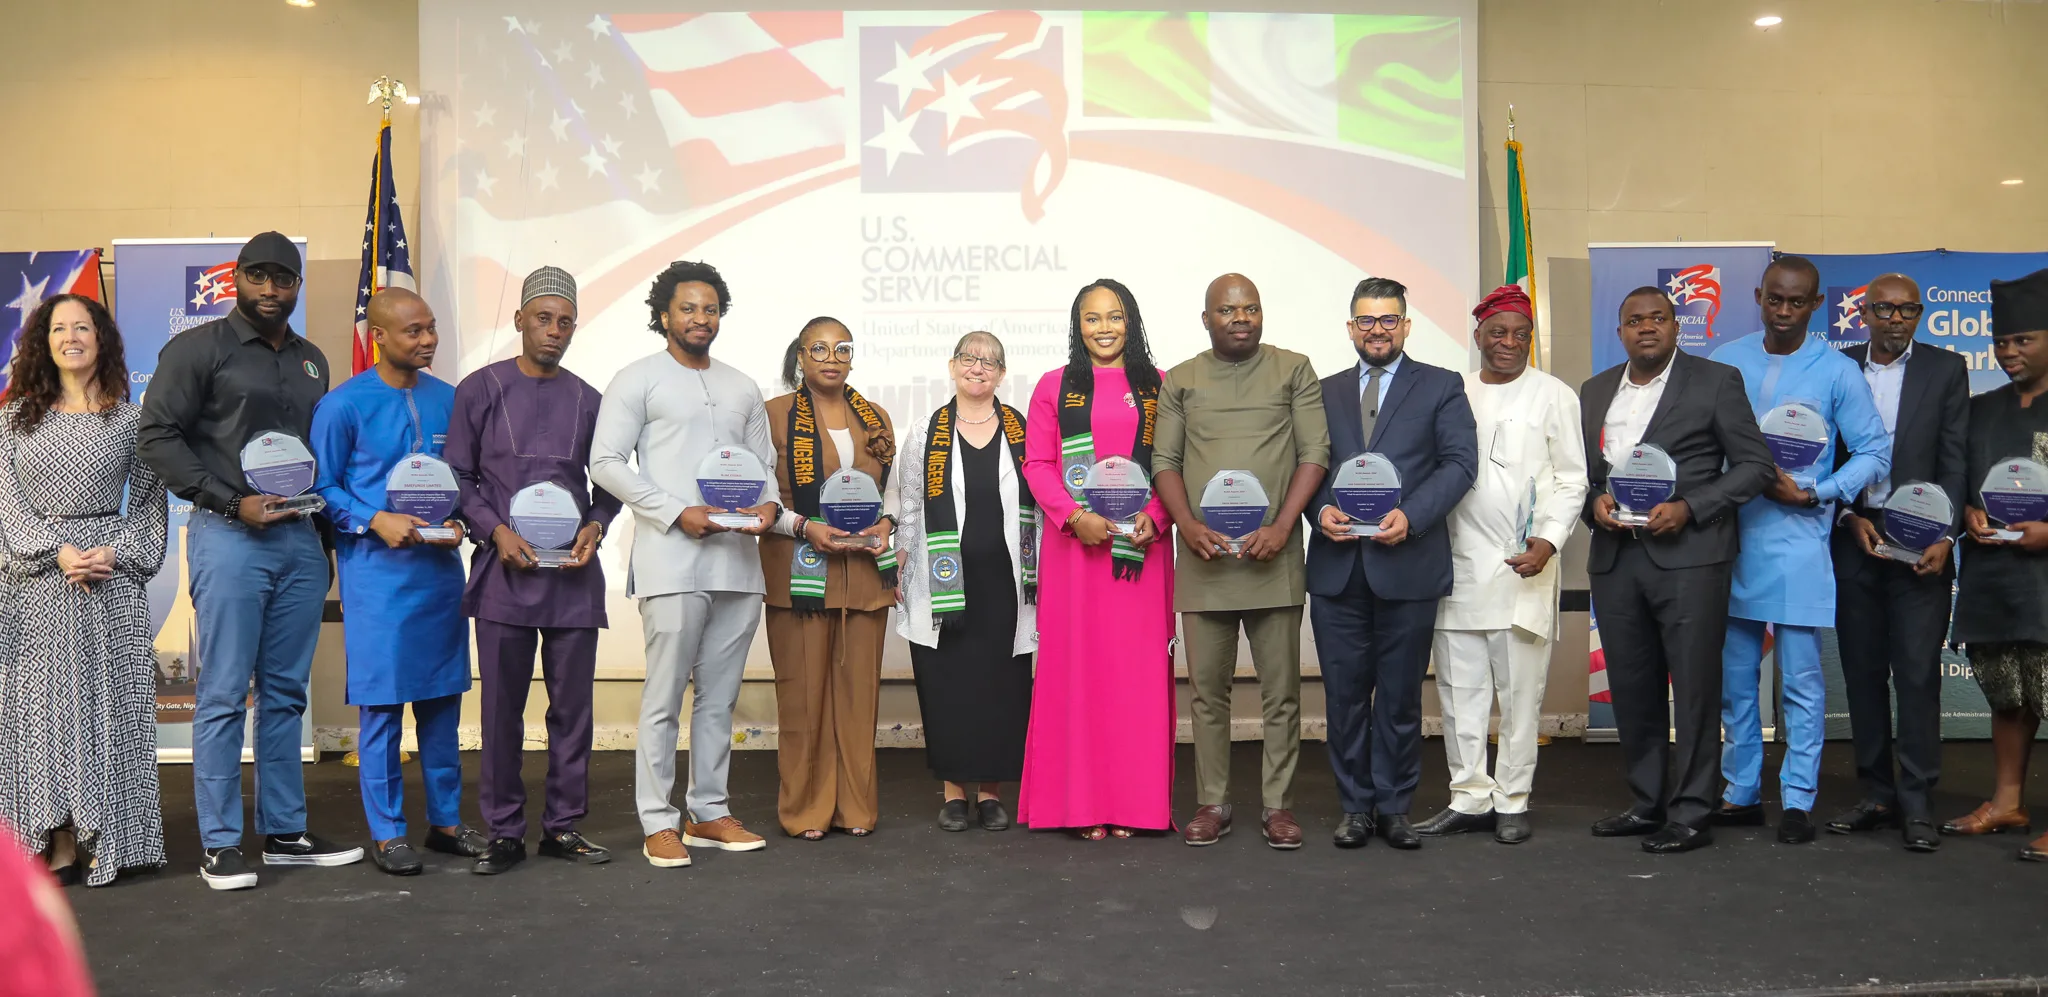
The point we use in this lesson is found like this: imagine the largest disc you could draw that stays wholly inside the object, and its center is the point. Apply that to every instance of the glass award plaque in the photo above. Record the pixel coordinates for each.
(1234, 504)
(544, 515)
(423, 486)
(731, 478)
(1525, 521)
(1647, 477)
(1797, 436)
(2016, 491)
(1117, 489)
(1366, 488)
(1917, 516)
(279, 464)
(851, 501)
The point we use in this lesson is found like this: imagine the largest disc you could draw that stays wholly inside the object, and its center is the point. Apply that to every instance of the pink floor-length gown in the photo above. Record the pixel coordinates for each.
(1100, 748)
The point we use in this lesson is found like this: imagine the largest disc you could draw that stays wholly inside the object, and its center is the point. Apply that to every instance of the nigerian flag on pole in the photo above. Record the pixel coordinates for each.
(1521, 249)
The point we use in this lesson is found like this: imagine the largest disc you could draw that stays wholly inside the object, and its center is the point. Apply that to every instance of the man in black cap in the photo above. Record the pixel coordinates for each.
(259, 573)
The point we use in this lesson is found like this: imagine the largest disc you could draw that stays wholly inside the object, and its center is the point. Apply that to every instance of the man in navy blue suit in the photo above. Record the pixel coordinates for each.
(1373, 600)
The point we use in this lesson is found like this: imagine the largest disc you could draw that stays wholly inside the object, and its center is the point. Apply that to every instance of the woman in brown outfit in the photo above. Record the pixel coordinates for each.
(828, 597)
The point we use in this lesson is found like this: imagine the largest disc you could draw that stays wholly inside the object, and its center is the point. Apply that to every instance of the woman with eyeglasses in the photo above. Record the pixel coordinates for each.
(829, 591)
(969, 543)
(78, 692)
(1099, 757)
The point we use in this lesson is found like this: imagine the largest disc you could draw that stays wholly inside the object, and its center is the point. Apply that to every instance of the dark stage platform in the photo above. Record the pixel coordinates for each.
(913, 910)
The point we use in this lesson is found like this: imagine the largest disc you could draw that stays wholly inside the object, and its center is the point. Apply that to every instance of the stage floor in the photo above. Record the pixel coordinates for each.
(913, 910)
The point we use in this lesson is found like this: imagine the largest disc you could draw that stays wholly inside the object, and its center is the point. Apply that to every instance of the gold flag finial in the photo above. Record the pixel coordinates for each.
(1511, 122)
(386, 89)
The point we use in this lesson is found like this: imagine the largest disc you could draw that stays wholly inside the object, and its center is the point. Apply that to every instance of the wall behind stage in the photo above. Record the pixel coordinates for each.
(1857, 126)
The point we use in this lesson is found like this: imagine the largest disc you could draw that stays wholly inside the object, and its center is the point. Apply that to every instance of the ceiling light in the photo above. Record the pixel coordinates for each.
(1766, 21)
(414, 99)
(2014, 182)
(300, 3)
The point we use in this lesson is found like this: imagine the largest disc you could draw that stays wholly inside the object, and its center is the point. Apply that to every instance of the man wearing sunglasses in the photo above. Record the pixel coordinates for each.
(1891, 616)
(259, 573)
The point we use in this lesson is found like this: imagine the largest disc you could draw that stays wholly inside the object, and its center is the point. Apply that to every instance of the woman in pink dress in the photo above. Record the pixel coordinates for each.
(1099, 756)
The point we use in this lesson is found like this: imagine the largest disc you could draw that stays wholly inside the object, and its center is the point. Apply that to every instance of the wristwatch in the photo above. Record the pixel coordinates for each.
(1813, 498)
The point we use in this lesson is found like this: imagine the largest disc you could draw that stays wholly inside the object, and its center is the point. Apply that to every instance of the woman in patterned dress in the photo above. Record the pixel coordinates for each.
(77, 667)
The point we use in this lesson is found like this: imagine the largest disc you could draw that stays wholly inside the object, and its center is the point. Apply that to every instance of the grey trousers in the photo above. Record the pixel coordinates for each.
(698, 638)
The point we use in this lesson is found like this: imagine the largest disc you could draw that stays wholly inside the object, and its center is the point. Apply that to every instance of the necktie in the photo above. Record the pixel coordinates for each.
(1369, 401)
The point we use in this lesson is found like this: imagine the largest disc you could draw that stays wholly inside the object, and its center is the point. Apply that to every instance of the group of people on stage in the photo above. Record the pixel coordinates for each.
(1042, 631)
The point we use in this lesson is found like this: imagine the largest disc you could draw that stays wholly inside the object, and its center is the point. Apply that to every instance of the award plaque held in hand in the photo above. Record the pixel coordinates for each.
(731, 478)
(851, 501)
(1916, 516)
(2016, 491)
(544, 515)
(1117, 489)
(1234, 504)
(424, 487)
(1646, 478)
(279, 464)
(1366, 488)
(1797, 436)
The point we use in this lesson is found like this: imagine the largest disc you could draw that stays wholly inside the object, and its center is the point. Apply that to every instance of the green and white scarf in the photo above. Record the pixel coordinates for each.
(1077, 453)
(807, 565)
(942, 522)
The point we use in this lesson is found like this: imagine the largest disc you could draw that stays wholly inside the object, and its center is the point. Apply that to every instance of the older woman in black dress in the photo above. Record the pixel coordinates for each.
(969, 541)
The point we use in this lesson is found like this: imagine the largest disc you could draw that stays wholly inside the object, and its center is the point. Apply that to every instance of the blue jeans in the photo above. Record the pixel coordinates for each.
(1797, 651)
(258, 595)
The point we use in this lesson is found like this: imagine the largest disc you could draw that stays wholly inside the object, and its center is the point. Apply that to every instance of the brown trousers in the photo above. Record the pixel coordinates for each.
(828, 676)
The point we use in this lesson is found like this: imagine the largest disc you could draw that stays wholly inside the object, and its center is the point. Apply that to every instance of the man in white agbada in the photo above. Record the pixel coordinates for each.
(1494, 631)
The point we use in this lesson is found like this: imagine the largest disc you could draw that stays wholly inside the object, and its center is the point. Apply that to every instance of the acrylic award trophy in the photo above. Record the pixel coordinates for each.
(1117, 489)
(1646, 478)
(1797, 436)
(1916, 516)
(544, 515)
(1234, 504)
(424, 487)
(1366, 488)
(279, 464)
(850, 501)
(1525, 521)
(2016, 491)
(732, 479)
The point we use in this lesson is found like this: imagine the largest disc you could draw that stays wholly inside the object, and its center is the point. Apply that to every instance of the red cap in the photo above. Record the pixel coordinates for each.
(1506, 298)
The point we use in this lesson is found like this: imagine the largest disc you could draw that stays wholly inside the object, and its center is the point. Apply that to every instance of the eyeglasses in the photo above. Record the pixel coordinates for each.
(971, 362)
(1364, 323)
(1885, 309)
(822, 352)
(283, 280)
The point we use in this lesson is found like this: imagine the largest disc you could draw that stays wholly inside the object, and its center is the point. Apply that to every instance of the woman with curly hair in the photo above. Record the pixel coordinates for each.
(828, 592)
(77, 717)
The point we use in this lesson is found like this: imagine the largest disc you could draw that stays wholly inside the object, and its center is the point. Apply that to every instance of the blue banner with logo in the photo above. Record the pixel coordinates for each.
(1956, 289)
(163, 287)
(1712, 288)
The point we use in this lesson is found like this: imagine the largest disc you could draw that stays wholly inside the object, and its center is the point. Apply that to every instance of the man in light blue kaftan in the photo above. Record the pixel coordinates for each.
(401, 596)
(1784, 575)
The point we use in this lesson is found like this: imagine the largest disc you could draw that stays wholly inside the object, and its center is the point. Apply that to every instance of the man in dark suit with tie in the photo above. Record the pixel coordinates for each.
(1373, 600)
(1661, 590)
(1892, 616)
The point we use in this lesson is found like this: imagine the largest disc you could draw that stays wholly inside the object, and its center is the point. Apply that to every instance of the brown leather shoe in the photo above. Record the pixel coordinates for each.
(1281, 829)
(664, 850)
(1211, 823)
(1983, 821)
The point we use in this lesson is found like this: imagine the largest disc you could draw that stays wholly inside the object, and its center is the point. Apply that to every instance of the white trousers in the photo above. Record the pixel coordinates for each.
(1472, 668)
(695, 639)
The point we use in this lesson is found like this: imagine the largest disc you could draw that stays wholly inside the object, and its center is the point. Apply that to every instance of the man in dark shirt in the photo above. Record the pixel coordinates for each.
(259, 574)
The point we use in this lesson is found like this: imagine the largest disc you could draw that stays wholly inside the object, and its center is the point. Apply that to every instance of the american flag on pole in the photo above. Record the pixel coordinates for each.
(386, 260)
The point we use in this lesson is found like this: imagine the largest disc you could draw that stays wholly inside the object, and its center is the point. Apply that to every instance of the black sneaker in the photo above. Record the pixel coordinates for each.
(307, 849)
(574, 847)
(223, 869)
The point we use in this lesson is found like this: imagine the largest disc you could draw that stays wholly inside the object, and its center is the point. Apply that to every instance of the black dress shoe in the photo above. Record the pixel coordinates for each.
(1673, 838)
(501, 856)
(1512, 829)
(1354, 831)
(1795, 827)
(1864, 816)
(467, 842)
(1398, 832)
(67, 875)
(1625, 824)
(953, 816)
(1450, 821)
(994, 816)
(574, 847)
(1730, 815)
(1920, 836)
(396, 857)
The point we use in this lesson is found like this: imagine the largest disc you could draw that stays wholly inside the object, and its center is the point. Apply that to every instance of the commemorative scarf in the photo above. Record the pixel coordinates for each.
(1077, 452)
(807, 564)
(942, 522)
